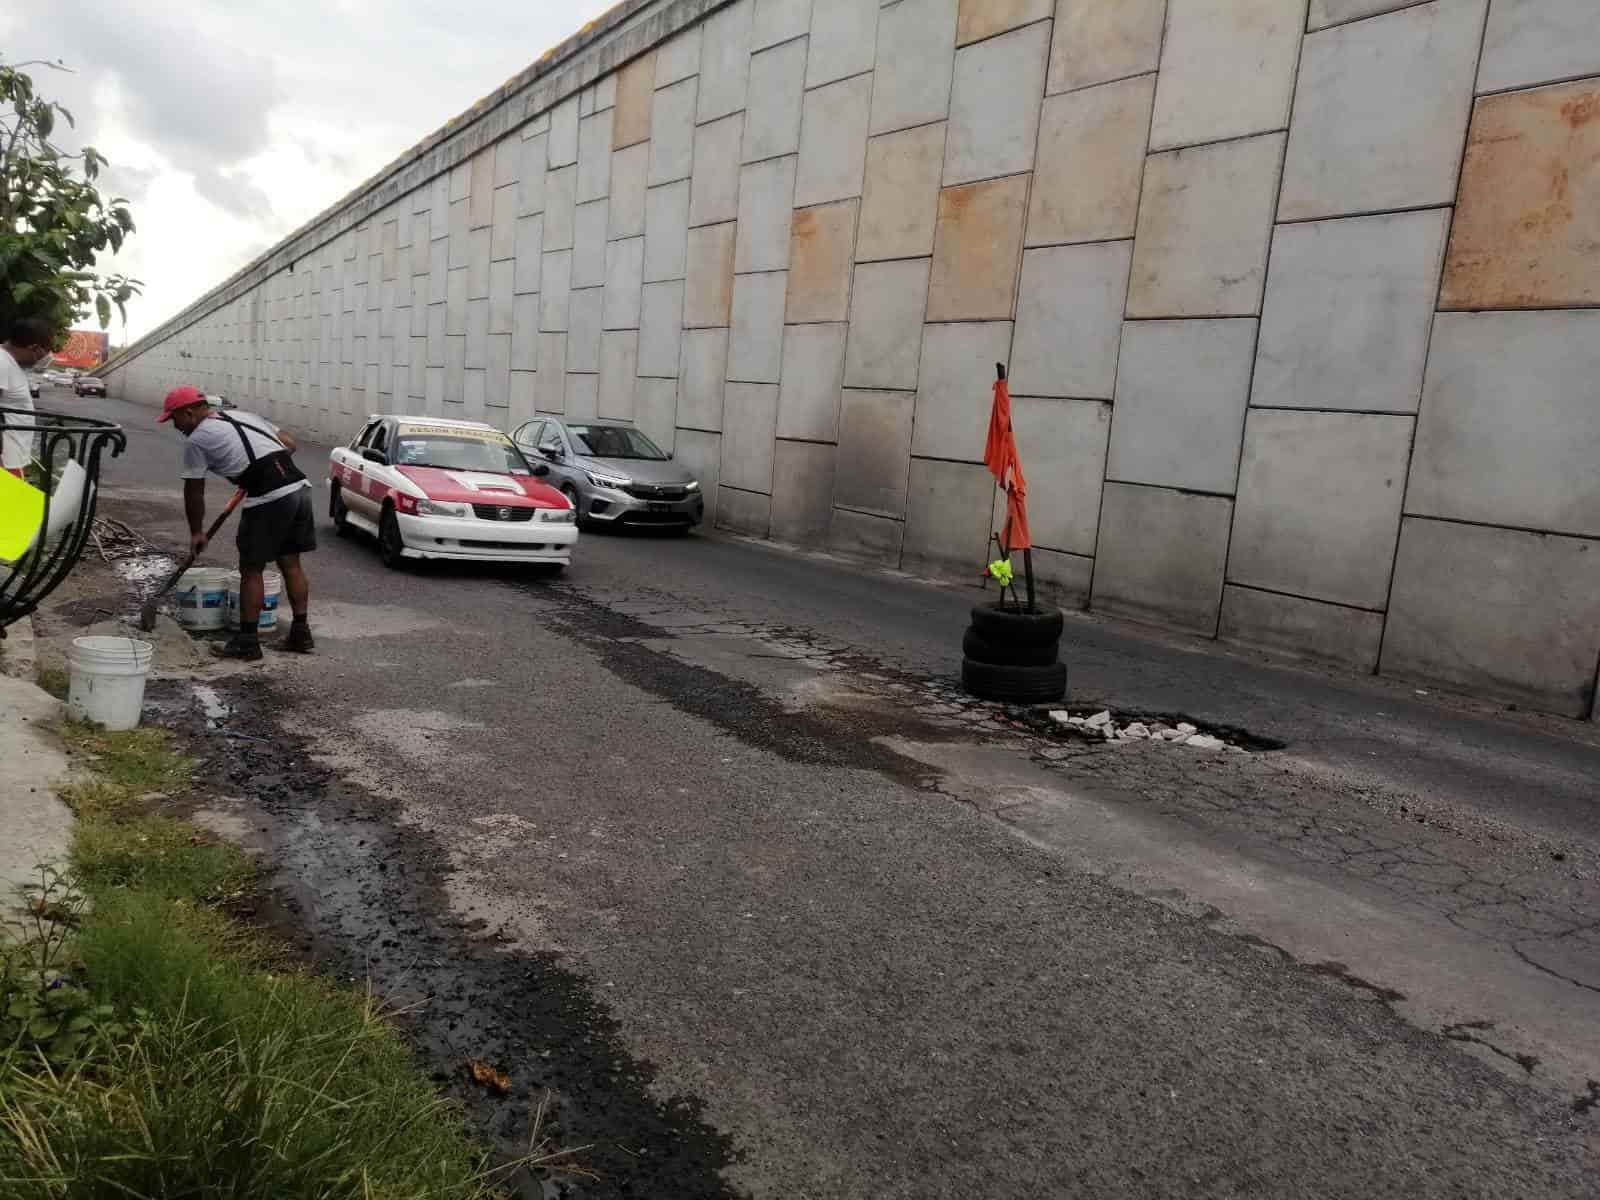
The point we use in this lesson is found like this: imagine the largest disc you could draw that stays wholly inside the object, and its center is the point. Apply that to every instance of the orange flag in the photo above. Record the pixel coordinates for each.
(1000, 456)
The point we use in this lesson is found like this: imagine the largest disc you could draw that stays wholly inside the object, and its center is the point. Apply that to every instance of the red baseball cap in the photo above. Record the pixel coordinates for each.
(179, 397)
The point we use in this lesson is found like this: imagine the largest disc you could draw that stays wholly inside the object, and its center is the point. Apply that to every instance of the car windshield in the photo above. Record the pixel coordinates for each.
(468, 452)
(615, 441)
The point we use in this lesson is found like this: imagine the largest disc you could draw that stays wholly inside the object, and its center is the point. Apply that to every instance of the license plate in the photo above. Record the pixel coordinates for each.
(660, 506)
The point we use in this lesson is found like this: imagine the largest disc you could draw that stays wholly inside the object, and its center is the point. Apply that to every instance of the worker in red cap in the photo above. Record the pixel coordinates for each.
(276, 522)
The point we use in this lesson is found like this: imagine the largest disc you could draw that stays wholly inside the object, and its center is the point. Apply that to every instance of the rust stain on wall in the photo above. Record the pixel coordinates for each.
(978, 250)
(822, 245)
(1527, 225)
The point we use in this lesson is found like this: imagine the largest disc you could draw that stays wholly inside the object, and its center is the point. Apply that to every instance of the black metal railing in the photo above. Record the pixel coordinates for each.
(58, 440)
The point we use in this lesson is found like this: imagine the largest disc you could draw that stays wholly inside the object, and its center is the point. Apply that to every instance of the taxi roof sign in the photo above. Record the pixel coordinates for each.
(482, 433)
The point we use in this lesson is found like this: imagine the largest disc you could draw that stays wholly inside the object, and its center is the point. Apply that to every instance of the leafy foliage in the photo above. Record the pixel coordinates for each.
(46, 1012)
(53, 219)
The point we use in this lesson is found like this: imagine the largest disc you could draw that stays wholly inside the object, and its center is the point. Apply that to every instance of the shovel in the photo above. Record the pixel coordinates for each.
(147, 613)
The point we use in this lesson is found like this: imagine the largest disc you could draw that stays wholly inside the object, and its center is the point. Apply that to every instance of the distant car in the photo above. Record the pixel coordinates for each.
(426, 487)
(88, 385)
(613, 474)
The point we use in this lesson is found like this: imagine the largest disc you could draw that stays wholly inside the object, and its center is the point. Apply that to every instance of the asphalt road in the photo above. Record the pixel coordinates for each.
(701, 839)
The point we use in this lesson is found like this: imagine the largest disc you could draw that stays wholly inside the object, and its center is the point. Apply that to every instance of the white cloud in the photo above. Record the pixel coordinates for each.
(229, 124)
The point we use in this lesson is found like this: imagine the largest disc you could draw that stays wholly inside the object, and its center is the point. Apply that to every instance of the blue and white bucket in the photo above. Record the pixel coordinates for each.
(202, 597)
(272, 584)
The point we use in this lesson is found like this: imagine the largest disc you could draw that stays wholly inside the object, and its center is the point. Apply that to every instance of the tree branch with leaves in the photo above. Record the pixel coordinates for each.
(54, 222)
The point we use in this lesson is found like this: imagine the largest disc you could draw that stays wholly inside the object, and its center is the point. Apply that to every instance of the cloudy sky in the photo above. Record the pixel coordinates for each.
(229, 123)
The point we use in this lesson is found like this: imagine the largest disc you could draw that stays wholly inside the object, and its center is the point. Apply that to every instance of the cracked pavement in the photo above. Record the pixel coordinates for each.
(880, 940)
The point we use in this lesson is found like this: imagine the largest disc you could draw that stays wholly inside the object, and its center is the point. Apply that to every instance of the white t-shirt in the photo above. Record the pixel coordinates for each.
(17, 450)
(216, 446)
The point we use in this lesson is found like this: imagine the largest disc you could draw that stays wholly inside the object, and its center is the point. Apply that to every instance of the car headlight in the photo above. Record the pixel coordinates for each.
(692, 486)
(442, 508)
(558, 516)
(608, 481)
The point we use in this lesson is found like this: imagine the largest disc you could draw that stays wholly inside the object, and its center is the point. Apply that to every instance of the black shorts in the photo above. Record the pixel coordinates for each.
(268, 532)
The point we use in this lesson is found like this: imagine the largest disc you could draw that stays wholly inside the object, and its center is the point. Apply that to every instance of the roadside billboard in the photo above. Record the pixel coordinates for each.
(85, 350)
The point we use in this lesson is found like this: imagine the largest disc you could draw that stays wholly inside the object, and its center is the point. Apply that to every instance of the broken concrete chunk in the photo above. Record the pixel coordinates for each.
(1137, 730)
(1061, 716)
(1185, 727)
(1204, 741)
(1100, 720)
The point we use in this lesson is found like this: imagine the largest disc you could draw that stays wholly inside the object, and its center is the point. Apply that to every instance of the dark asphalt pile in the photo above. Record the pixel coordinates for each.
(358, 895)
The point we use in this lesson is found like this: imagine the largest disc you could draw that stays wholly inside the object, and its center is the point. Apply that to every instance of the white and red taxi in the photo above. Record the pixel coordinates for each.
(427, 487)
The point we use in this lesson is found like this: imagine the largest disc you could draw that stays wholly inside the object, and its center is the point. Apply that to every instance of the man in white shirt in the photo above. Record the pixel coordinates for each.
(276, 522)
(27, 344)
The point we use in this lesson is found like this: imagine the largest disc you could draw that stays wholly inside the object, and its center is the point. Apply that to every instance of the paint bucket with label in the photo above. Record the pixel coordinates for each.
(106, 680)
(272, 587)
(202, 597)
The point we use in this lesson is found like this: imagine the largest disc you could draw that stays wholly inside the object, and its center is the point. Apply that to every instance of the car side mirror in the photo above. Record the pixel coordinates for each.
(540, 469)
(550, 451)
(375, 456)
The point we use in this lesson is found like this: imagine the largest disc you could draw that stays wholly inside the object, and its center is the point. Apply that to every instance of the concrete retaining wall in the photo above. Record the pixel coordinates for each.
(1252, 262)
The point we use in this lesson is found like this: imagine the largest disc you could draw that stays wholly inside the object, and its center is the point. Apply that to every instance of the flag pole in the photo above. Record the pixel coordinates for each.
(1027, 553)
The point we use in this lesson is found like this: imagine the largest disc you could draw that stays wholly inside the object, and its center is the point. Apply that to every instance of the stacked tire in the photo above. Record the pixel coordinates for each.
(1014, 656)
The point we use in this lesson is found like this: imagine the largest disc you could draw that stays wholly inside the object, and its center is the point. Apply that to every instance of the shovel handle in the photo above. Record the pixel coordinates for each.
(227, 510)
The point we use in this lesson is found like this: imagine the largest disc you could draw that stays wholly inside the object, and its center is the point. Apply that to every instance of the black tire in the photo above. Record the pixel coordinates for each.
(339, 514)
(1008, 627)
(571, 493)
(1014, 685)
(391, 542)
(980, 649)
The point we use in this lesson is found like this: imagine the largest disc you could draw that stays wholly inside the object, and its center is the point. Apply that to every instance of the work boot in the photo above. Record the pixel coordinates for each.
(300, 640)
(242, 648)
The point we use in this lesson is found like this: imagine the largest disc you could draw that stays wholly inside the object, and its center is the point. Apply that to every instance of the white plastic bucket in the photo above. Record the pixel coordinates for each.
(272, 588)
(107, 680)
(202, 597)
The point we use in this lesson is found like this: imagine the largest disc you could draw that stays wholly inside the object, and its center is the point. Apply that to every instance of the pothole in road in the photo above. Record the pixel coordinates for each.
(1098, 726)
(875, 699)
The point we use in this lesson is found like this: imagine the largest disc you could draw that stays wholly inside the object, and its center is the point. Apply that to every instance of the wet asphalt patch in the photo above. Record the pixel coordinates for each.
(817, 736)
(360, 895)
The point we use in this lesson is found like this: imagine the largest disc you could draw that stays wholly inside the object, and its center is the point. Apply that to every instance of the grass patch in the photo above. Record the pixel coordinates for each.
(135, 762)
(150, 1047)
(160, 856)
(235, 1082)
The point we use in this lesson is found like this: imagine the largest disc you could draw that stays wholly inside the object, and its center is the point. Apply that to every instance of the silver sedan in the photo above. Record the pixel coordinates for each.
(613, 474)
